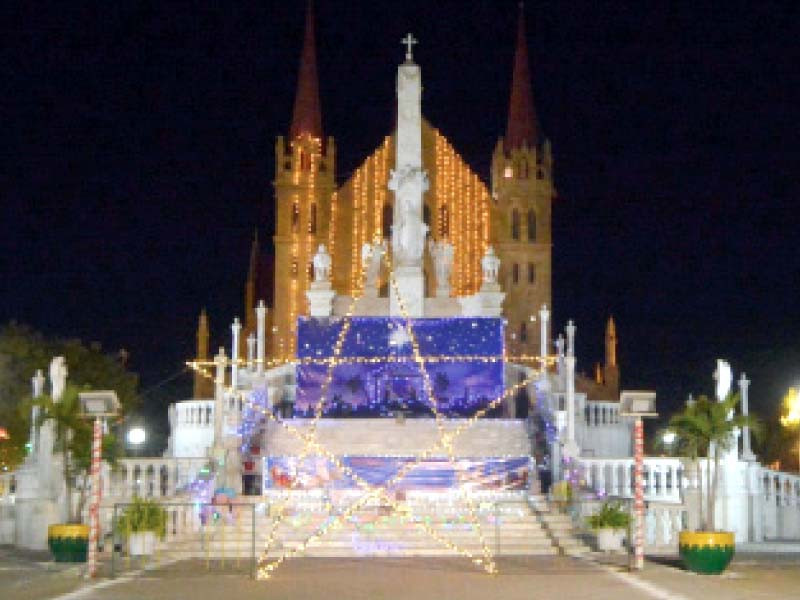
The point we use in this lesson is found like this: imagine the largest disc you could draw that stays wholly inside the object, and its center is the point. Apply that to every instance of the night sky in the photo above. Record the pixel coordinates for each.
(137, 160)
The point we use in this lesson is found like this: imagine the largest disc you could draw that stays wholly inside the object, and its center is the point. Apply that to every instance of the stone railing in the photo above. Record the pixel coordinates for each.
(614, 477)
(149, 477)
(781, 507)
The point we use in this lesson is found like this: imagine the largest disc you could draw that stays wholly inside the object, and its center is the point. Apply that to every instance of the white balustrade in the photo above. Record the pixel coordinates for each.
(613, 477)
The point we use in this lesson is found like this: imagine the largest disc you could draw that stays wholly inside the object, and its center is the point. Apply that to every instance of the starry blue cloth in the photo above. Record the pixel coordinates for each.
(468, 381)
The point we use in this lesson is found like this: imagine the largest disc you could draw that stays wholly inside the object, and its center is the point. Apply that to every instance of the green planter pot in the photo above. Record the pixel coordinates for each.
(706, 552)
(68, 543)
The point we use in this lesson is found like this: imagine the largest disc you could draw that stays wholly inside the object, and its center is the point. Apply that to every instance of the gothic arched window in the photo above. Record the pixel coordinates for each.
(523, 332)
(531, 273)
(531, 225)
(515, 224)
(295, 217)
(515, 273)
(388, 217)
(312, 219)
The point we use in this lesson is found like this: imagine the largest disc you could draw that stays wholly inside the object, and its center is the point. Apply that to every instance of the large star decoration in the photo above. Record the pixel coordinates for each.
(400, 336)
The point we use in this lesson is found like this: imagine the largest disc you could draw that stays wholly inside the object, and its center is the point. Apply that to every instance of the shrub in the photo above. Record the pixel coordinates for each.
(143, 515)
(610, 516)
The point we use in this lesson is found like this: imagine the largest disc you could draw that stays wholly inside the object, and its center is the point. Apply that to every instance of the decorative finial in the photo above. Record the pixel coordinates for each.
(409, 41)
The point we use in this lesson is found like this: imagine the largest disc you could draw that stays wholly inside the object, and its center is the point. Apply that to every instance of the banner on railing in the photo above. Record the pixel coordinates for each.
(314, 472)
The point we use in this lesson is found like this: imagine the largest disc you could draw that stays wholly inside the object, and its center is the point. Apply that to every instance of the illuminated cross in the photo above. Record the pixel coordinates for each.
(409, 42)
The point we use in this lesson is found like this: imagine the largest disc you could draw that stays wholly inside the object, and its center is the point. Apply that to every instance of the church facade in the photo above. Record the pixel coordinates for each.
(512, 214)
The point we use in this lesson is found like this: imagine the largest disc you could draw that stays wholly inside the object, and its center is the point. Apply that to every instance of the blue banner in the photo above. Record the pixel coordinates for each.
(433, 474)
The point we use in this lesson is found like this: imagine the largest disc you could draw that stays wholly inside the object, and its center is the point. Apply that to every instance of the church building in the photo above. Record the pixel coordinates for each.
(512, 215)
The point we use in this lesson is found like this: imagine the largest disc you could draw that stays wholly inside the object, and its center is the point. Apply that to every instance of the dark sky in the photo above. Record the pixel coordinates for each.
(137, 159)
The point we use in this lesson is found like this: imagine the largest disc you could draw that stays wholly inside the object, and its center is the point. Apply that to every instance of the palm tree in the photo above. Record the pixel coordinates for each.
(73, 438)
(706, 428)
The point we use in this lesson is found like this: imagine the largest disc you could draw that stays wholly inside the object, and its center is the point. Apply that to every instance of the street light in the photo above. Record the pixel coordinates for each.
(97, 406)
(669, 438)
(791, 403)
(638, 405)
(136, 436)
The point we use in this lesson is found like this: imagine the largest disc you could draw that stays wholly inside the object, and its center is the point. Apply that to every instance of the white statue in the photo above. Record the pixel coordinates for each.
(724, 378)
(322, 265)
(491, 266)
(408, 230)
(58, 377)
(442, 254)
(371, 257)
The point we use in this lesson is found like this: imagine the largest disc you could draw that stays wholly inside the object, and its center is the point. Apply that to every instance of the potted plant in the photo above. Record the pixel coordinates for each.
(610, 524)
(141, 523)
(73, 437)
(706, 428)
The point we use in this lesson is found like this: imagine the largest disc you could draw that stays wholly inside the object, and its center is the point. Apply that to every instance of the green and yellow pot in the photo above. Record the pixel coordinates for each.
(706, 552)
(68, 543)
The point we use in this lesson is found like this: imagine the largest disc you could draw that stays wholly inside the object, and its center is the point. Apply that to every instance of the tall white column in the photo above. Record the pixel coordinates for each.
(219, 394)
(544, 317)
(37, 383)
(408, 182)
(261, 320)
(747, 452)
(236, 329)
(570, 446)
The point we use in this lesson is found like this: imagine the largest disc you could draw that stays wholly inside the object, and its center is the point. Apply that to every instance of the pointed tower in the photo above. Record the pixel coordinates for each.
(304, 185)
(250, 288)
(611, 368)
(522, 193)
(203, 386)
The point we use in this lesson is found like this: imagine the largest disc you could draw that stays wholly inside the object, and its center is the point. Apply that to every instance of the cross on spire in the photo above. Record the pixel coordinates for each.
(409, 41)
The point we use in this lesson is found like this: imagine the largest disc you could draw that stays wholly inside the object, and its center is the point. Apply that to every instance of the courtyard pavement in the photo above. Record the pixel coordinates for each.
(26, 577)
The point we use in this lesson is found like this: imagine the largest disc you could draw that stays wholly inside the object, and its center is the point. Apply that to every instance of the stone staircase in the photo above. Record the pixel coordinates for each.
(509, 528)
(559, 526)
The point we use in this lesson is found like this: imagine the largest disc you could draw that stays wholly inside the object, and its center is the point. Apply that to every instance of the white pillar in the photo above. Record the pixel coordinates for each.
(570, 446)
(747, 452)
(544, 316)
(219, 394)
(261, 319)
(37, 382)
(251, 351)
(236, 329)
(408, 181)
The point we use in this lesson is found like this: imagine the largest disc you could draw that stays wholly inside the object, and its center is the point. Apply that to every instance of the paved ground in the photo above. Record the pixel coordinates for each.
(28, 575)
(25, 577)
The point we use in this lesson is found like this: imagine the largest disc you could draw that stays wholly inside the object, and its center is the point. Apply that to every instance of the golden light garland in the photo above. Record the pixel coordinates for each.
(445, 443)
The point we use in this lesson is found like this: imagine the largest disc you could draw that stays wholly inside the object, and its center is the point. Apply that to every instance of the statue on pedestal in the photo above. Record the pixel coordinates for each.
(442, 254)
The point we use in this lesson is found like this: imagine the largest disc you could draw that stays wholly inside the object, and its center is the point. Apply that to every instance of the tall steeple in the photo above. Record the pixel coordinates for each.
(202, 385)
(250, 288)
(307, 116)
(611, 367)
(523, 127)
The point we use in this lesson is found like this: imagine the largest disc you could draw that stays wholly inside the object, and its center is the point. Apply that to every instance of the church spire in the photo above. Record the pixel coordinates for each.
(202, 385)
(306, 116)
(611, 343)
(522, 127)
(250, 286)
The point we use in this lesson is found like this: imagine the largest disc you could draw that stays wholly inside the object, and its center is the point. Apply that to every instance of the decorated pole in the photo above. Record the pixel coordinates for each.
(94, 507)
(638, 498)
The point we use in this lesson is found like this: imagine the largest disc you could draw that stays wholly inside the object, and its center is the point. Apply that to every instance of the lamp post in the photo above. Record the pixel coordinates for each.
(791, 403)
(96, 406)
(638, 405)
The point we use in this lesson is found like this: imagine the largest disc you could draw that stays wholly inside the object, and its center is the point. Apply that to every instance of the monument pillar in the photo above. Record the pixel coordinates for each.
(408, 182)
(570, 445)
